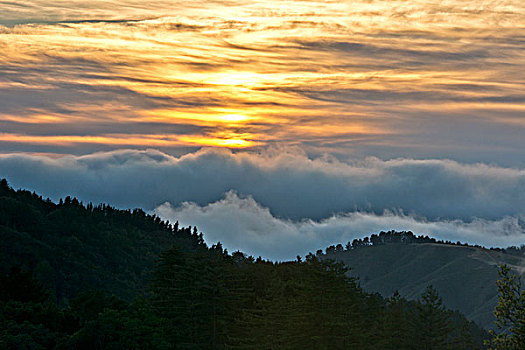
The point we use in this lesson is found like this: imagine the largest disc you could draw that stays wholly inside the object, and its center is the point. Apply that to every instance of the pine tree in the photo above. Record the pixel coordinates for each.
(335, 304)
(198, 293)
(171, 287)
(395, 324)
(509, 312)
(431, 322)
(261, 324)
(463, 339)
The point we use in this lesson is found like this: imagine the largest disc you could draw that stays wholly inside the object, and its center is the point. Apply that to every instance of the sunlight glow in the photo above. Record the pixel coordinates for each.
(217, 142)
(290, 72)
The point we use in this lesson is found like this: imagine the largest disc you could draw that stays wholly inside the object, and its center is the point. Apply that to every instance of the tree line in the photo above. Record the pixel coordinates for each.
(406, 237)
(209, 299)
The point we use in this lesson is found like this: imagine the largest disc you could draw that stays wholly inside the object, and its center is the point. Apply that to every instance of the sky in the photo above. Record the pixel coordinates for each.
(275, 127)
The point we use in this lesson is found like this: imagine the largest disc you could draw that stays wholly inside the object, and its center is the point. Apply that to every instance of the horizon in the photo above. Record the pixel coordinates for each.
(363, 236)
(366, 239)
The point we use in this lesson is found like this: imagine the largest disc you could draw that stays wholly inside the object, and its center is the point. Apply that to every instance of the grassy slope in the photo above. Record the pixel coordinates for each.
(464, 276)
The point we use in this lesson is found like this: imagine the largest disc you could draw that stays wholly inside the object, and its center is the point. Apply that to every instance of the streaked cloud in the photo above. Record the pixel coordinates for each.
(383, 78)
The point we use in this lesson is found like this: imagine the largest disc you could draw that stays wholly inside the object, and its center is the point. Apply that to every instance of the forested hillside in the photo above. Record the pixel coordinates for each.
(77, 276)
(73, 247)
(401, 261)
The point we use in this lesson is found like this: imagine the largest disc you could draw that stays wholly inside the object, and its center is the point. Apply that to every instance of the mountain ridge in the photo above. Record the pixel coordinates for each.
(464, 275)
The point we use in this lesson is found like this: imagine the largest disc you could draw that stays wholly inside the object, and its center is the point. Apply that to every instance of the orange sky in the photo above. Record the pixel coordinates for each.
(384, 78)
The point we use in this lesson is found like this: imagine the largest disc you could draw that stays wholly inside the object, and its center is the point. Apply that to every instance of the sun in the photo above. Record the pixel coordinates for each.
(233, 117)
(231, 142)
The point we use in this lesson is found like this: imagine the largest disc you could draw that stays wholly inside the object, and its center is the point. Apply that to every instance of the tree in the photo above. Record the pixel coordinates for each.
(509, 312)
(395, 325)
(463, 339)
(197, 294)
(431, 322)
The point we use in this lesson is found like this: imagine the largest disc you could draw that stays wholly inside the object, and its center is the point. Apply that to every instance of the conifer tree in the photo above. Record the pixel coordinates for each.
(432, 324)
(395, 324)
(338, 315)
(463, 339)
(509, 312)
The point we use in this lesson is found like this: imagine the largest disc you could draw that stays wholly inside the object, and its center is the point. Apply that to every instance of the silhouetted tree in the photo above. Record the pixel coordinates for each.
(431, 323)
(509, 312)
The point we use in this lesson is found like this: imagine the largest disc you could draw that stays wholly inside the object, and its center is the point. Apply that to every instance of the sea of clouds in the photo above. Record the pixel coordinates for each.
(279, 203)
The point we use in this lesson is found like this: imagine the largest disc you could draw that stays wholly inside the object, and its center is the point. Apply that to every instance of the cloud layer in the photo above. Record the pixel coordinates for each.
(280, 202)
(287, 181)
(243, 224)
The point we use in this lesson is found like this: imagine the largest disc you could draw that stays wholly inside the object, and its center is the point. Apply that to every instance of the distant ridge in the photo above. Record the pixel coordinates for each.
(463, 274)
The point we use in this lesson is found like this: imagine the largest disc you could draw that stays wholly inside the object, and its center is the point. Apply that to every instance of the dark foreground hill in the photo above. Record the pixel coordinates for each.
(75, 276)
(73, 247)
(463, 275)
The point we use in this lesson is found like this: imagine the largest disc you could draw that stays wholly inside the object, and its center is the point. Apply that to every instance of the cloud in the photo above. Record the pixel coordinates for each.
(411, 83)
(240, 223)
(288, 182)
(382, 78)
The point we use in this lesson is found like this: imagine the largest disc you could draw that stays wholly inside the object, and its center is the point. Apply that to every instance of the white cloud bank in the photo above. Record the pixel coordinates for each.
(240, 223)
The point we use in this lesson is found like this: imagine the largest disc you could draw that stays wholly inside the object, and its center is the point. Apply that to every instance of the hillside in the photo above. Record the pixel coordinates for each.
(73, 247)
(464, 276)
